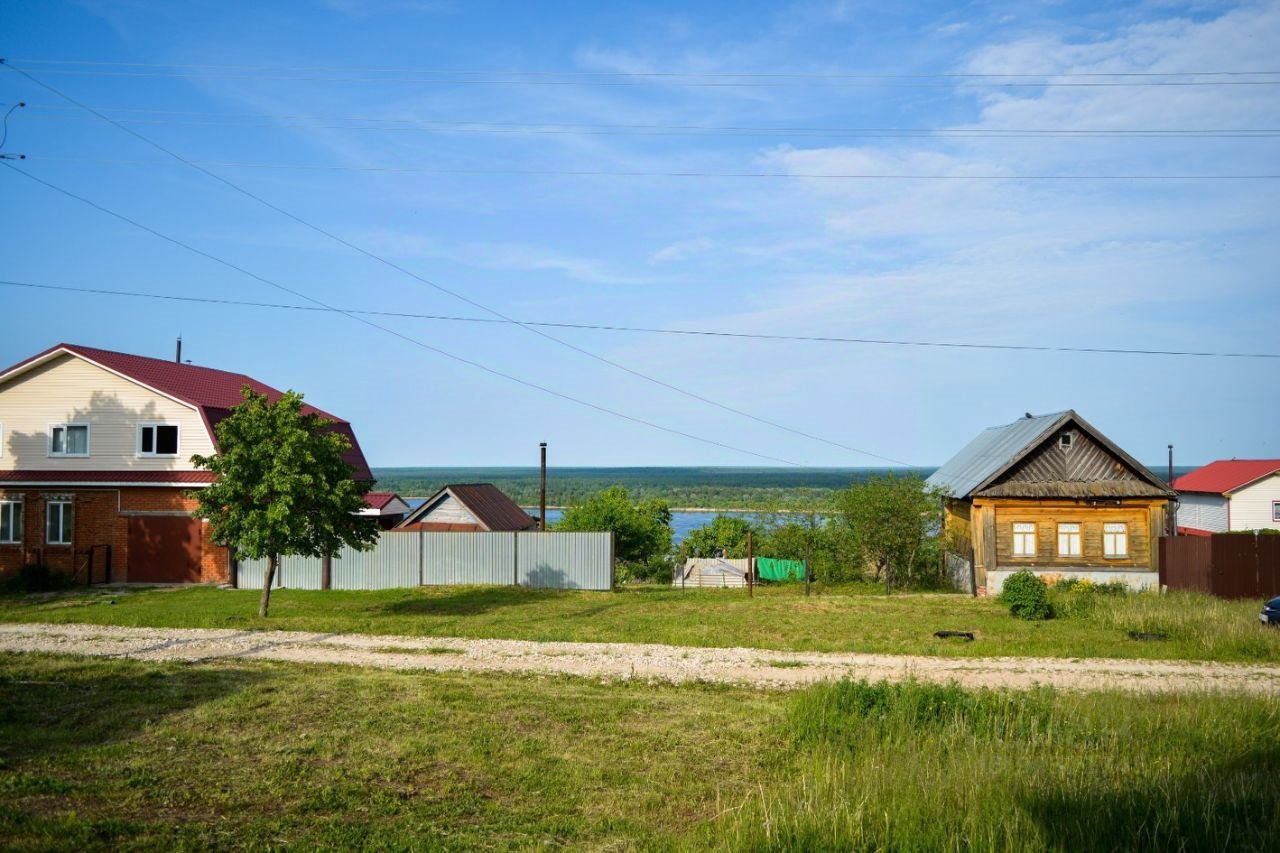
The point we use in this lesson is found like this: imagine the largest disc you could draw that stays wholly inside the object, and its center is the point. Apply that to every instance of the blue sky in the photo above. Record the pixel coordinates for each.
(651, 165)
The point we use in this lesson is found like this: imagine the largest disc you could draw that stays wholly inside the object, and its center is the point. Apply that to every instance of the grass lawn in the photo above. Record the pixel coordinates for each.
(114, 753)
(1198, 627)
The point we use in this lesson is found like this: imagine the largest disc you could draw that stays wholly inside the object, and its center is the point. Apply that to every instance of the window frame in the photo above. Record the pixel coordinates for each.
(66, 521)
(1107, 534)
(8, 507)
(64, 425)
(1017, 537)
(1275, 510)
(1078, 534)
(155, 435)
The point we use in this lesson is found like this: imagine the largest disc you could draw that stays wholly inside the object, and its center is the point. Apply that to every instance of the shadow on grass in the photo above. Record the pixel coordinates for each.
(1229, 805)
(52, 705)
(473, 600)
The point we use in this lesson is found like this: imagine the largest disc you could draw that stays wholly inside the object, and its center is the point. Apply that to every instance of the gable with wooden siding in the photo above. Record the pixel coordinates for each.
(1071, 463)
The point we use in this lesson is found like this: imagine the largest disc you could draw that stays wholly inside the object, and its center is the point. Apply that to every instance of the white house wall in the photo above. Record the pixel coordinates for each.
(1203, 512)
(1251, 506)
(68, 389)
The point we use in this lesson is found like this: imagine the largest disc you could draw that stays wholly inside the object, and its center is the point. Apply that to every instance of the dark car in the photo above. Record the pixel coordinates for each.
(1270, 612)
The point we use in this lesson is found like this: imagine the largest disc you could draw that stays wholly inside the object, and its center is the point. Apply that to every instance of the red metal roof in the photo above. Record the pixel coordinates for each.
(195, 478)
(489, 504)
(1192, 531)
(1226, 475)
(214, 392)
(378, 500)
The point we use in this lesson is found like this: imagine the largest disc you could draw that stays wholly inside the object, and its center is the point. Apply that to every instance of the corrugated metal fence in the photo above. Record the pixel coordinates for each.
(1228, 565)
(541, 560)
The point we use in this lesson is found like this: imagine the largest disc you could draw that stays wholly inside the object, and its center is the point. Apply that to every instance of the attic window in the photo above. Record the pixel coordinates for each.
(1064, 439)
(157, 440)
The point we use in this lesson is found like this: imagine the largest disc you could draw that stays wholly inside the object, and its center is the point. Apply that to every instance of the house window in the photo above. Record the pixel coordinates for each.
(1064, 439)
(1069, 539)
(1024, 539)
(1275, 510)
(10, 521)
(157, 439)
(69, 440)
(1115, 539)
(57, 522)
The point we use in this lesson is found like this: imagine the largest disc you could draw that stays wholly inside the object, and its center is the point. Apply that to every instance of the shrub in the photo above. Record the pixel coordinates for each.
(1027, 595)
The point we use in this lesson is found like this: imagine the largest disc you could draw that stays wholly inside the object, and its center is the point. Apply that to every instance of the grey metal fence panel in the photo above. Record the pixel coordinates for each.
(391, 564)
(249, 573)
(299, 572)
(565, 560)
(468, 558)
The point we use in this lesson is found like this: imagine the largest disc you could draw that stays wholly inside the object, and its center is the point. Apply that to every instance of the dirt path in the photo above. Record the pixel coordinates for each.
(621, 661)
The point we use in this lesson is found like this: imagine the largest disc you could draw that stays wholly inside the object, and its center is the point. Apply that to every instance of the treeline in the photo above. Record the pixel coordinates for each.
(885, 528)
(790, 489)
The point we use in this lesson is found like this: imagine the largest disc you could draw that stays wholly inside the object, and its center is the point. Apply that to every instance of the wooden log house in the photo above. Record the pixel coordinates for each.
(1053, 495)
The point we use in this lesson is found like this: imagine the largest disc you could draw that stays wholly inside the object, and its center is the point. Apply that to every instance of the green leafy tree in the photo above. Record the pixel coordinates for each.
(641, 529)
(282, 486)
(725, 535)
(892, 525)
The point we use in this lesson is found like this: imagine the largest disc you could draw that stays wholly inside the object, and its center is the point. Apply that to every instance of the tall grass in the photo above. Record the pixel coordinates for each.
(919, 766)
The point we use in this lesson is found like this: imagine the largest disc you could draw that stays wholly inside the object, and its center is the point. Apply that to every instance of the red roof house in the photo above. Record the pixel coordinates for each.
(468, 507)
(1230, 494)
(95, 450)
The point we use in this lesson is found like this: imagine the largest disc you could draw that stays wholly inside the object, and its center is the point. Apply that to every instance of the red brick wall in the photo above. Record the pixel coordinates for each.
(97, 522)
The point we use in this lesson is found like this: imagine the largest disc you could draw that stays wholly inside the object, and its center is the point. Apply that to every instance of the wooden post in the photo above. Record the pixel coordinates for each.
(326, 571)
(542, 489)
(808, 555)
(750, 568)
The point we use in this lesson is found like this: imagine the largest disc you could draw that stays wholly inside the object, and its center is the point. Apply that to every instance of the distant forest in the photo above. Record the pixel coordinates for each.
(716, 488)
(719, 488)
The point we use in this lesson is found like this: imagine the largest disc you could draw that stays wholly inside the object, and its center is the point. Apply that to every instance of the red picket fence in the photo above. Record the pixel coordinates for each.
(1228, 565)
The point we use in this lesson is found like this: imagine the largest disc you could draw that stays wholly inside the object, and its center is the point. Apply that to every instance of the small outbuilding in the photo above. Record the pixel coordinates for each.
(469, 508)
(1053, 495)
(387, 507)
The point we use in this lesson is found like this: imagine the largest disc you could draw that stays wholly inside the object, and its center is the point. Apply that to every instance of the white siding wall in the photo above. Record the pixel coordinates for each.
(1251, 506)
(1203, 512)
(71, 390)
(449, 511)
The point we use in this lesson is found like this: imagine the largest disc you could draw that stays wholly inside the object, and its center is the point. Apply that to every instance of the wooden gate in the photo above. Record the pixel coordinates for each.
(164, 549)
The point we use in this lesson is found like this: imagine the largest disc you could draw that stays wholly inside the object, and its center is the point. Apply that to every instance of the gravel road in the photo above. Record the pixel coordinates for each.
(623, 661)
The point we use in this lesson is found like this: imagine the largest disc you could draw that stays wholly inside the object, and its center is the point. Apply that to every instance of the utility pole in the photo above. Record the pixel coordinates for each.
(542, 490)
(750, 568)
(1173, 504)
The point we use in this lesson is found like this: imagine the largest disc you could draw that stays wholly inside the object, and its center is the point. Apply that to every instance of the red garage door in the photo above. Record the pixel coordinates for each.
(164, 549)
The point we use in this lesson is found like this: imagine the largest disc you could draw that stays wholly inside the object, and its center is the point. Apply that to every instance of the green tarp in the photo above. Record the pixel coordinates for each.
(779, 570)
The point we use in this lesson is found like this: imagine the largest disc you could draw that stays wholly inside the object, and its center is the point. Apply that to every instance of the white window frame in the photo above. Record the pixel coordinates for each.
(1115, 543)
(1275, 510)
(154, 440)
(67, 506)
(7, 506)
(1020, 538)
(88, 438)
(1069, 536)
(1, 439)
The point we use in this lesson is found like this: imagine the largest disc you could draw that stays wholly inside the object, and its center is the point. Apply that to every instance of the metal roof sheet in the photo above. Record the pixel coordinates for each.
(489, 504)
(993, 449)
(1226, 475)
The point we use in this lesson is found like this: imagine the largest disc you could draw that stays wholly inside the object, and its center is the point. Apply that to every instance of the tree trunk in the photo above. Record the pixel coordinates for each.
(272, 564)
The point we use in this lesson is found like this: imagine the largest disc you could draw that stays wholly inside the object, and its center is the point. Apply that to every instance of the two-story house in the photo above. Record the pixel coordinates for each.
(1054, 495)
(95, 451)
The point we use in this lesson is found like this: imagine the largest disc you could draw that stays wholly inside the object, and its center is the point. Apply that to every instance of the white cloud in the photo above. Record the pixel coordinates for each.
(680, 250)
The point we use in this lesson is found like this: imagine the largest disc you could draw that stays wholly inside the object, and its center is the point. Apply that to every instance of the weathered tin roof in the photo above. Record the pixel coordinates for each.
(994, 449)
(1003, 462)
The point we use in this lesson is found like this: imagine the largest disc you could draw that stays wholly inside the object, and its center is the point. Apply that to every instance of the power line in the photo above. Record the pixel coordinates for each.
(643, 329)
(407, 338)
(191, 118)
(441, 288)
(688, 79)
(638, 173)
(581, 73)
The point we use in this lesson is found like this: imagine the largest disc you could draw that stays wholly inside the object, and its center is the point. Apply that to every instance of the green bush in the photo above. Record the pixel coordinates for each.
(1027, 595)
